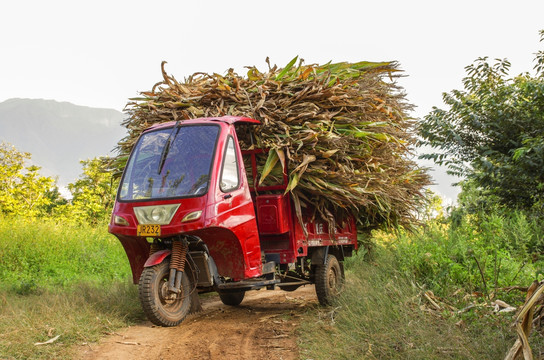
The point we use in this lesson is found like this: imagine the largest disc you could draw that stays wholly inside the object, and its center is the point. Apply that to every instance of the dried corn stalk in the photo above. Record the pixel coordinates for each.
(342, 127)
(524, 322)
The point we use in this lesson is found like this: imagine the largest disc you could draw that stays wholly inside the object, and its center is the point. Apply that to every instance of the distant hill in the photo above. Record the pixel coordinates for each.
(59, 134)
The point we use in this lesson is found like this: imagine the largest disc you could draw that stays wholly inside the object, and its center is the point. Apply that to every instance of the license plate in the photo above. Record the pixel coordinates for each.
(149, 230)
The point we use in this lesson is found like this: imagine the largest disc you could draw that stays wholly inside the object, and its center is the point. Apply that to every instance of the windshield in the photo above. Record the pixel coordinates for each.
(171, 162)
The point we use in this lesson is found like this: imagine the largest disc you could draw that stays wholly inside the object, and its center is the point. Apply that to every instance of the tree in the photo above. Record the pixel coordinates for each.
(94, 192)
(23, 191)
(493, 131)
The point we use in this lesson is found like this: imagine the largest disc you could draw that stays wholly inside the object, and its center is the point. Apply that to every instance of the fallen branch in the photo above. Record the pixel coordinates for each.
(127, 343)
(465, 309)
(428, 295)
(510, 288)
(50, 341)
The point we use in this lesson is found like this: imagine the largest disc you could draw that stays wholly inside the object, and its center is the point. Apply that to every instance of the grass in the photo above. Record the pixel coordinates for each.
(382, 315)
(60, 279)
(80, 315)
(37, 254)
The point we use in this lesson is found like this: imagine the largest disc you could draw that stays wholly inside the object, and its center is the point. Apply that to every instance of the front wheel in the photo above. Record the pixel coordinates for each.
(162, 307)
(329, 280)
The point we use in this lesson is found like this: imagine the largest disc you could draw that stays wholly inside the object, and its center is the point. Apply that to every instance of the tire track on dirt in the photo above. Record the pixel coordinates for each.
(261, 328)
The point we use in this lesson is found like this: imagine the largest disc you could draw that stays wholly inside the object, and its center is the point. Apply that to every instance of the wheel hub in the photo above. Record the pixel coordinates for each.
(168, 297)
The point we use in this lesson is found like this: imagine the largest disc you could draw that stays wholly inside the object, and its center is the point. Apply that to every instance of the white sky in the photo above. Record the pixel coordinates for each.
(100, 53)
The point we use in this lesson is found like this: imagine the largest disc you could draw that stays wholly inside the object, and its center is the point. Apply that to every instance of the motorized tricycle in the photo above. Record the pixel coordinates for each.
(193, 217)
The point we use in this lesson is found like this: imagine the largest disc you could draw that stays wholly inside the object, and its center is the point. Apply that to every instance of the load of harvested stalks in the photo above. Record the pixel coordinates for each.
(343, 128)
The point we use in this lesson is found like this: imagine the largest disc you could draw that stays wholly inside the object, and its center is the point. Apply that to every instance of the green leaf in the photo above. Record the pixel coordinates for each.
(287, 68)
(271, 161)
(293, 182)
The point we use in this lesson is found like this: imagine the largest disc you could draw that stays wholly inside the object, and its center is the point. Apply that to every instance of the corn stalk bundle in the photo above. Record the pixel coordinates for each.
(342, 128)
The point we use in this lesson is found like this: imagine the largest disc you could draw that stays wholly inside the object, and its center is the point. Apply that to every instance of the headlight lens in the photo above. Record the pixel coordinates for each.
(156, 214)
(119, 220)
(195, 215)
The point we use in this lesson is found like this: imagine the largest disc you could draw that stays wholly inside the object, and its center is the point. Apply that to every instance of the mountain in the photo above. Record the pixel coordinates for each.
(59, 134)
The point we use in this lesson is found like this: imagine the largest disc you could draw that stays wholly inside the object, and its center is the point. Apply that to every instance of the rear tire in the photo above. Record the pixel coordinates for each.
(232, 298)
(160, 306)
(329, 280)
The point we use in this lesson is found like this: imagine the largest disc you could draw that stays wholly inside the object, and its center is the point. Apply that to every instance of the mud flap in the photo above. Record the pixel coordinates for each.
(319, 255)
(196, 306)
(193, 273)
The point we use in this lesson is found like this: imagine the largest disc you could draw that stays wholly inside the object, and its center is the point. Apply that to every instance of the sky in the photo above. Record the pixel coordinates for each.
(101, 53)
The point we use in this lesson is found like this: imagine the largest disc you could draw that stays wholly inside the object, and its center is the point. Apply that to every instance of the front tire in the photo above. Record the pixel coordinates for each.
(162, 307)
(329, 280)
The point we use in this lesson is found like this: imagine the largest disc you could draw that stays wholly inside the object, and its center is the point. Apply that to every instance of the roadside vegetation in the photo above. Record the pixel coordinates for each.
(63, 278)
(448, 288)
(433, 293)
(60, 279)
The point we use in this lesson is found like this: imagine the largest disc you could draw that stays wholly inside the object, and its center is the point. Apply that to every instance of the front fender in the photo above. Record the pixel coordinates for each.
(156, 258)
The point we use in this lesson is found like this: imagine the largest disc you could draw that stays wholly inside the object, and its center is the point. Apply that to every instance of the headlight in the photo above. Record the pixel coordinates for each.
(195, 215)
(119, 220)
(156, 214)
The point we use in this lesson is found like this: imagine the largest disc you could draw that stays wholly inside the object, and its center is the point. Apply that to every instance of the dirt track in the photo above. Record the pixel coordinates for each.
(262, 327)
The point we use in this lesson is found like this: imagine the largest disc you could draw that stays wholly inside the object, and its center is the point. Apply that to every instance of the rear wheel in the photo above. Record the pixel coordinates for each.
(232, 298)
(329, 280)
(162, 307)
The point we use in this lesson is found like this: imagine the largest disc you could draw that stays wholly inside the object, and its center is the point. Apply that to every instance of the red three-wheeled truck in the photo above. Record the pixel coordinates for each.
(193, 217)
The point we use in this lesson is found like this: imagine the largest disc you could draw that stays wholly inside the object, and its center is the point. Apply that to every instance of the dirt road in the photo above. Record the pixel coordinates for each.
(262, 327)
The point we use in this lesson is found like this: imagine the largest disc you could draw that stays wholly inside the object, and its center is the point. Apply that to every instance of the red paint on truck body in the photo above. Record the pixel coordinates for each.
(228, 223)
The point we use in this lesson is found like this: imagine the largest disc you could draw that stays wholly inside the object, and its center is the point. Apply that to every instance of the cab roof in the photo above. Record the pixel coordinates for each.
(226, 119)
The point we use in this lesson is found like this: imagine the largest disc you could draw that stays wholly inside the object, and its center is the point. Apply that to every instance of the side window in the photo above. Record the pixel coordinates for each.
(229, 174)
